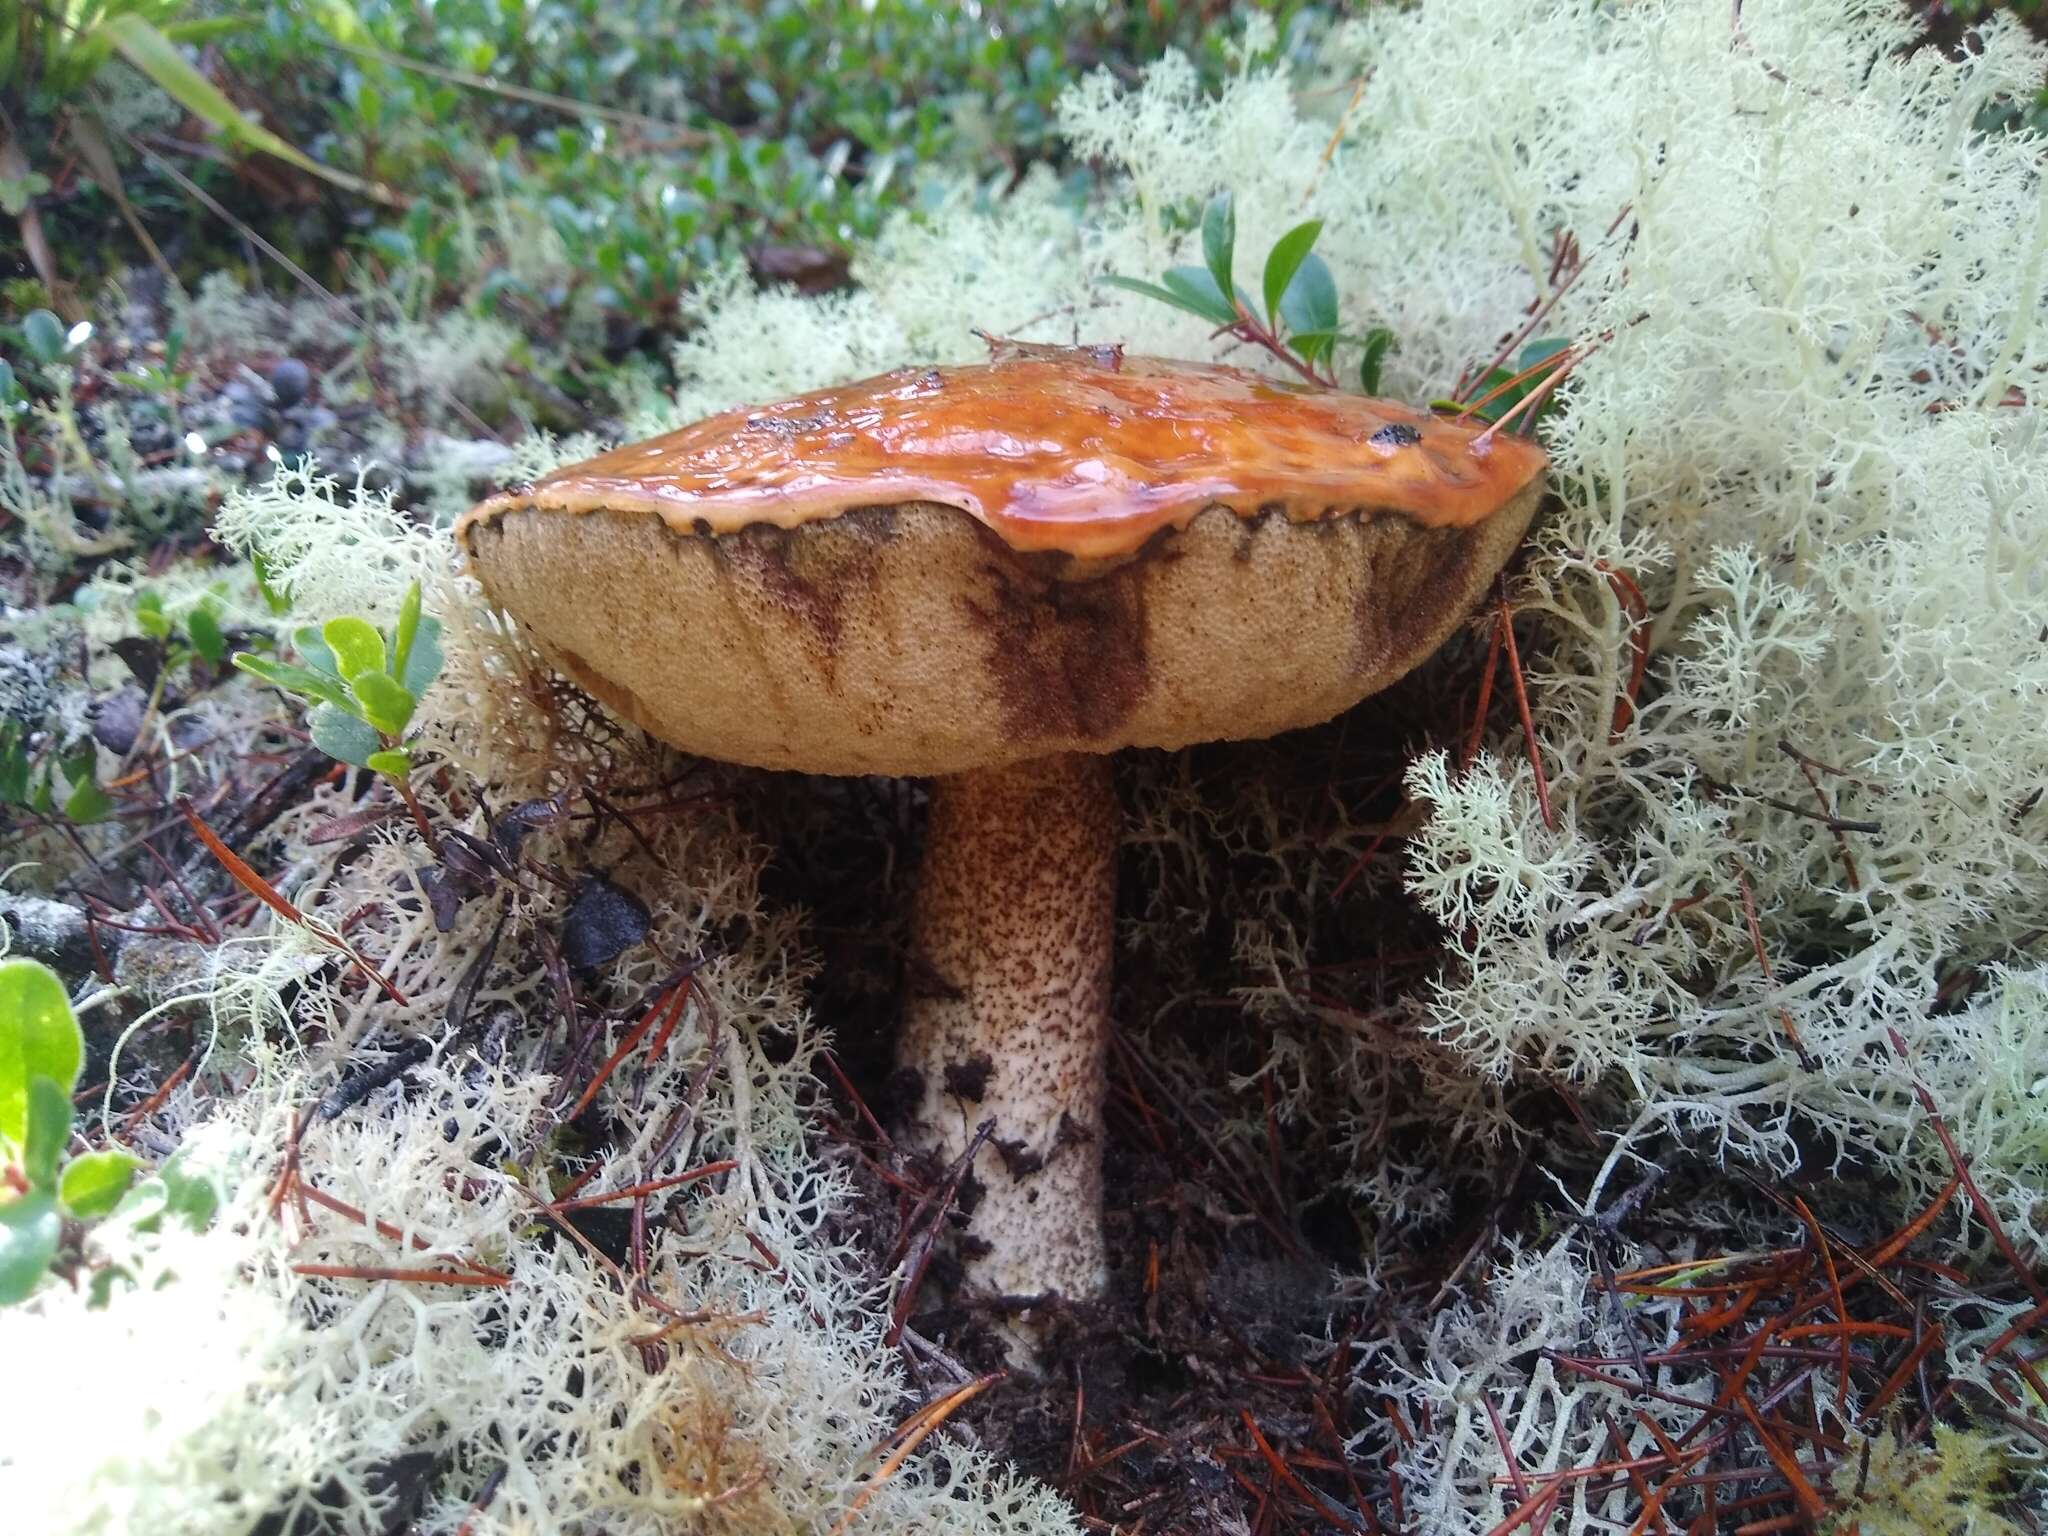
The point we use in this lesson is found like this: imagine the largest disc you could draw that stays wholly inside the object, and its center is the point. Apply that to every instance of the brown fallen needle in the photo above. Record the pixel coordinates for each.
(269, 895)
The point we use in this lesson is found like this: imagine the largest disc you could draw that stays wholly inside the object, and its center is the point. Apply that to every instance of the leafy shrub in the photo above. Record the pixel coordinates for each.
(572, 160)
(362, 685)
(51, 69)
(1300, 296)
(41, 1050)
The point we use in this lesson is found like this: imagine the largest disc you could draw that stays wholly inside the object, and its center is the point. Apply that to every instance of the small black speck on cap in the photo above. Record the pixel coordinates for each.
(1395, 434)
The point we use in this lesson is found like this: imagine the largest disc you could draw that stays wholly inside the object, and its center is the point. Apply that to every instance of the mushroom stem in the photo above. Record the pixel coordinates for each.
(1011, 942)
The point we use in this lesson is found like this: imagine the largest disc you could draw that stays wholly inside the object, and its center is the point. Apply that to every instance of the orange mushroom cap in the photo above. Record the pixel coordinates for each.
(1086, 453)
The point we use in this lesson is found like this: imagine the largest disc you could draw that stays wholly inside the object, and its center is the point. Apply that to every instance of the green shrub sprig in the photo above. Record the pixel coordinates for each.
(1300, 324)
(41, 1051)
(362, 685)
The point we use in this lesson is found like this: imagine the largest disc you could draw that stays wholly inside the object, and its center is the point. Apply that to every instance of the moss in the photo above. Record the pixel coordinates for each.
(1955, 1488)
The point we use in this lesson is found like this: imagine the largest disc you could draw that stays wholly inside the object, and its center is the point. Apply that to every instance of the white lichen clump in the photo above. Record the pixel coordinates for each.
(327, 1335)
(1807, 425)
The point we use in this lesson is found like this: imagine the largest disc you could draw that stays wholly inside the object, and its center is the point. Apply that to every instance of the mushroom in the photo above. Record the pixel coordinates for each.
(993, 577)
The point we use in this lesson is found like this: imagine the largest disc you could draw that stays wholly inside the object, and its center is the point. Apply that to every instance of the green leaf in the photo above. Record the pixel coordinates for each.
(396, 763)
(304, 681)
(1197, 288)
(17, 192)
(1309, 302)
(80, 765)
(87, 803)
(386, 703)
(1314, 346)
(1219, 239)
(355, 645)
(395, 245)
(204, 29)
(8, 387)
(338, 19)
(273, 596)
(44, 333)
(1379, 341)
(49, 1127)
(202, 625)
(424, 664)
(94, 1182)
(1284, 260)
(29, 1229)
(191, 1199)
(39, 1037)
(157, 57)
(149, 614)
(171, 1191)
(1500, 404)
(342, 736)
(13, 772)
(408, 627)
(1315, 341)
(1164, 296)
(307, 641)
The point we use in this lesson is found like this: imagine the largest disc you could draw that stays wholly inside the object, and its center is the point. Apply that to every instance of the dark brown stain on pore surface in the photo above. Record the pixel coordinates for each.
(1067, 657)
(812, 572)
(1419, 584)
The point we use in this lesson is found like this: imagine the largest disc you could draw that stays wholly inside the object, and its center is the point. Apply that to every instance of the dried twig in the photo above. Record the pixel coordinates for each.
(1507, 630)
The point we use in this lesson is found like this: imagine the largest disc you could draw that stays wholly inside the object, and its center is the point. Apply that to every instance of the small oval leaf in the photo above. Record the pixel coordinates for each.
(29, 1228)
(304, 681)
(1310, 300)
(202, 627)
(1154, 291)
(386, 704)
(1196, 288)
(39, 1037)
(1219, 239)
(49, 1127)
(355, 645)
(87, 803)
(274, 597)
(94, 1182)
(408, 628)
(423, 661)
(1379, 341)
(1284, 260)
(342, 736)
(44, 333)
(307, 641)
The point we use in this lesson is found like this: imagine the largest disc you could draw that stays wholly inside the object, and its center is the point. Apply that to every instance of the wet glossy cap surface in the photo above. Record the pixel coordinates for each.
(1085, 453)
